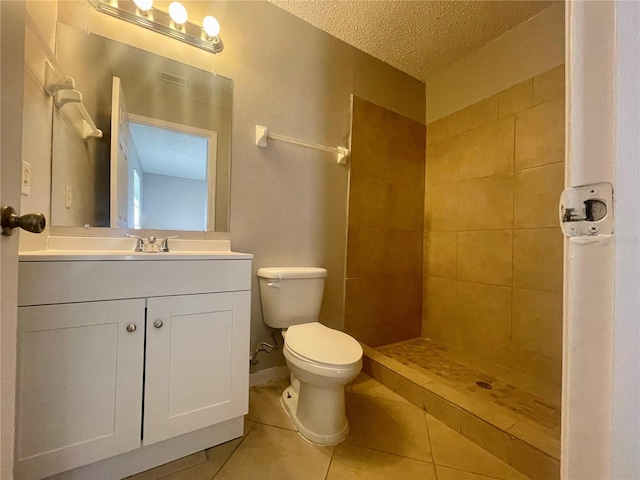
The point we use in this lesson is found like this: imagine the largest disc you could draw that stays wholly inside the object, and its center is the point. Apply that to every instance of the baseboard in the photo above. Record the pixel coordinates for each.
(268, 375)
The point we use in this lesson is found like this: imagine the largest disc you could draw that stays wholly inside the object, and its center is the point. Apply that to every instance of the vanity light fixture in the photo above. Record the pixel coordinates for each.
(144, 6)
(211, 27)
(173, 23)
(178, 14)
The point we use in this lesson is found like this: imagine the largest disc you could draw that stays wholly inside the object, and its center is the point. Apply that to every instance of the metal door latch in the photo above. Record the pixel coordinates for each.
(587, 210)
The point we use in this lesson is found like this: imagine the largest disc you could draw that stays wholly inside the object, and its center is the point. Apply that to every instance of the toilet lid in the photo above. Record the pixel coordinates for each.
(321, 344)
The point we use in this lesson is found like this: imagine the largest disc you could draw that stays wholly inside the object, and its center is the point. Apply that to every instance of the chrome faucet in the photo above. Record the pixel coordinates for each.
(140, 247)
(164, 246)
(152, 244)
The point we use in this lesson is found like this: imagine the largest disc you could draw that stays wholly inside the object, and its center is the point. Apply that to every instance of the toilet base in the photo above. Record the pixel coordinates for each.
(325, 409)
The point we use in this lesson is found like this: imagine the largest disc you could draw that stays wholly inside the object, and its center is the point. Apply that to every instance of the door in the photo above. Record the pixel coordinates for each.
(601, 363)
(196, 362)
(79, 384)
(120, 145)
(11, 93)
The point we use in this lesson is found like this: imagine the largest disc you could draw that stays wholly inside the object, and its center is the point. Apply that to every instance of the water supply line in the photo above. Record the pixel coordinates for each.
(264, 347)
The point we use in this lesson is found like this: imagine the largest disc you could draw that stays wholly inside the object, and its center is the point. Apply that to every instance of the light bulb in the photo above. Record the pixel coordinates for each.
(178, 13)
(144, 5)
(210, 26)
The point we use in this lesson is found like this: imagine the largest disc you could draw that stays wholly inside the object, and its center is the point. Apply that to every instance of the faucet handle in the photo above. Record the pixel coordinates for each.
(139, 244)
(164, 246)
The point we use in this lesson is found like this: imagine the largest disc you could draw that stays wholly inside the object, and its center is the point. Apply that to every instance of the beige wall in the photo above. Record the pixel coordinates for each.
(493, 248)
(527, 50)
(288, 203)
(384, 241)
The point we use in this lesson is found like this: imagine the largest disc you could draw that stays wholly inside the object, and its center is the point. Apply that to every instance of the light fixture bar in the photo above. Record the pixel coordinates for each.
(159, 22)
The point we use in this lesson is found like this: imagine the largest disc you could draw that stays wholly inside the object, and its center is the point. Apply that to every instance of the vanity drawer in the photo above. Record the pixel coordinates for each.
(45, 283)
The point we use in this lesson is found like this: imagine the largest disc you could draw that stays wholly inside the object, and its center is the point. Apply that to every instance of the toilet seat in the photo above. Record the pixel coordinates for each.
(321, 345)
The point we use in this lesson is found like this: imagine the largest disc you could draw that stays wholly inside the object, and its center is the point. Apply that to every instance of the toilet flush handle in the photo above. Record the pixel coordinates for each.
(274, 284)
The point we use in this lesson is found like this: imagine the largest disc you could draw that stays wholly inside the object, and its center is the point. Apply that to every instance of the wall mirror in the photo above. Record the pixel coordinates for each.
(163, 161)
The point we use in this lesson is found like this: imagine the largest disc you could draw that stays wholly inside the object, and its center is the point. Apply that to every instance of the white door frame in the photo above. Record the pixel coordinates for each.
(12, 32)
(601, 362)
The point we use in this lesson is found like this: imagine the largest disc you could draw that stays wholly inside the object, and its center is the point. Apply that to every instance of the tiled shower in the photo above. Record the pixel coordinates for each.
(454, 264)
(493, 246)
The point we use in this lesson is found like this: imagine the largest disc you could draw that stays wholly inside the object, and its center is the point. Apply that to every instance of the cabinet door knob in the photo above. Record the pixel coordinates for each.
(158, 324)
(131, 327)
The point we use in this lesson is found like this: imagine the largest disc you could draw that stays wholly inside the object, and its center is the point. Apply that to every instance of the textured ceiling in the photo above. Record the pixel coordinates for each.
(418, 37)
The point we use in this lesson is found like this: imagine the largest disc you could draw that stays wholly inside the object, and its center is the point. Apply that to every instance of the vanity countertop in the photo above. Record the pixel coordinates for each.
(118, 249)
(89, 255)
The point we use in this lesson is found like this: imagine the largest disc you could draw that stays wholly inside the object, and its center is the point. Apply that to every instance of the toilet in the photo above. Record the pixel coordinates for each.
(321, 360)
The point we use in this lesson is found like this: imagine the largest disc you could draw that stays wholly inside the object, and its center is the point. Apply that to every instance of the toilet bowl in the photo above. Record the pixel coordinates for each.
(321, 360)
(319, 371)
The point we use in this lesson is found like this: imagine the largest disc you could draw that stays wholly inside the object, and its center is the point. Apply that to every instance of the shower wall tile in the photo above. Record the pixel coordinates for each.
(459, 122)
(405, 208)
(549, 85)
(403, 253)
(383, 295)
(442, 161)
(441, 208)
(492, 248)
(486, 203)
(385, 334)
(369, 153)
(537, 259)
(403, 300)
(496, 352)
(439, 306)
(484, 310)
(440, 253)
(368, 201)
(406, 161)
(404, 127)
(365, 303)
(487, 150)
(485, 256)
(437, 131)
(516, 99)
(540, 135)
(536, 196)
(544, 368)
(485, 111)
(365, 251)
(537, 321)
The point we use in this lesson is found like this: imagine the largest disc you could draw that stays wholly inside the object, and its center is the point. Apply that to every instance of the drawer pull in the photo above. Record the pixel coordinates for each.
(131, 327)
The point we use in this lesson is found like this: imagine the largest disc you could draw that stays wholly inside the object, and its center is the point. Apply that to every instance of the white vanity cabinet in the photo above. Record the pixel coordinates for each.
(80, 383)
(128, 364)
(192, 363)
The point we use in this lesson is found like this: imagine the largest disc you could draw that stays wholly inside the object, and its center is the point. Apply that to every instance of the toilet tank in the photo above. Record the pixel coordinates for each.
(291, 295)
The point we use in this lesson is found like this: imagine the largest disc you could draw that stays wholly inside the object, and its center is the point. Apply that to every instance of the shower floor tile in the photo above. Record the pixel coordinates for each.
(422, 354)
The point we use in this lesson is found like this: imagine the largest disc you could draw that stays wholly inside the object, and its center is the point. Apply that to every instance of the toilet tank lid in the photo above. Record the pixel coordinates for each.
(292, 272)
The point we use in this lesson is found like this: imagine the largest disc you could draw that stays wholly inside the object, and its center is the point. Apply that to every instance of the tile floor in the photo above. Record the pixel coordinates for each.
(423, 354)
(390, 439)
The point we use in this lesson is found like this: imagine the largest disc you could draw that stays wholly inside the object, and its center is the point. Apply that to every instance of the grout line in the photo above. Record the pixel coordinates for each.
(235, 449)
(426, 425)
(326, 476)
(389, 453)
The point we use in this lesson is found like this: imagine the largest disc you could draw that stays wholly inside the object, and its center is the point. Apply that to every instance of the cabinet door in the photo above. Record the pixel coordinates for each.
(197, 362)
(79, 384)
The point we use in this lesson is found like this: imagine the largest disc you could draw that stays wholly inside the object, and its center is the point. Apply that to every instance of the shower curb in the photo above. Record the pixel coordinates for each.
(521, 443)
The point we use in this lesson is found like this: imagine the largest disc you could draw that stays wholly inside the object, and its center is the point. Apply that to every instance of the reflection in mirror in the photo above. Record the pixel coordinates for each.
(164, 159)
